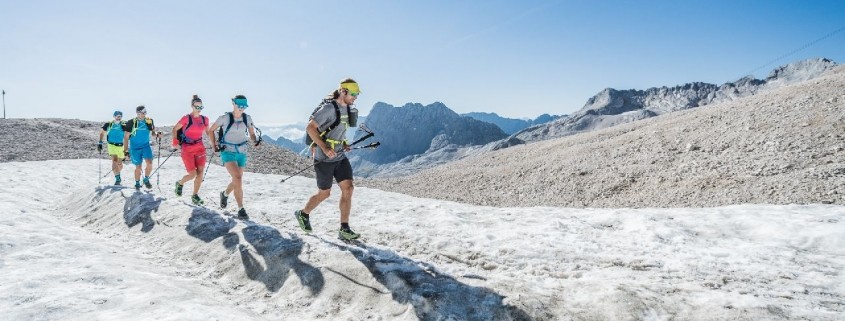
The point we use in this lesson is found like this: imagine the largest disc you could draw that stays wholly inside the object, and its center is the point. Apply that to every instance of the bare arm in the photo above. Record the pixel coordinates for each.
(252, 134)
(313, 131)
(173, 134)
(211, 137)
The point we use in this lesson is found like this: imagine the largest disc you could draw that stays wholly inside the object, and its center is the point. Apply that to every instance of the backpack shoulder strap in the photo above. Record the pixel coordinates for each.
(231, 122)
(134, 127)
(336, 117)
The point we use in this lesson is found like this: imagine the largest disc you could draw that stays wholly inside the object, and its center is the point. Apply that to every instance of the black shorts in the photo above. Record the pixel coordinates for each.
(340, 171)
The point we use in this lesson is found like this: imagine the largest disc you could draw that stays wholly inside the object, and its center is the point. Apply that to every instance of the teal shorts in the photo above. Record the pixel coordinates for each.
(226, 157)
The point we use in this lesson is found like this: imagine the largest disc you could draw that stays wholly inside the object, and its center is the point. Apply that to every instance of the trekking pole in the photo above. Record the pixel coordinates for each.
(369, 134)
(165, 161)
(100, 166)
(207, 165)
(158, 175)
(302, 170)
(371, 145)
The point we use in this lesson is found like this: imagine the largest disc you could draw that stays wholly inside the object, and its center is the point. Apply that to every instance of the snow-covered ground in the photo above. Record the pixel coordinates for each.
(73, 249)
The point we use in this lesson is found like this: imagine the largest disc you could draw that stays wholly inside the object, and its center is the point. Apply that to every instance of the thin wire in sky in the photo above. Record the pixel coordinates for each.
(495, 27)
(805, 46)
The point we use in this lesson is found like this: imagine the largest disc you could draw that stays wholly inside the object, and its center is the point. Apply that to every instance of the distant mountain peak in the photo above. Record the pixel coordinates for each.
(610, 107)
(415, 129)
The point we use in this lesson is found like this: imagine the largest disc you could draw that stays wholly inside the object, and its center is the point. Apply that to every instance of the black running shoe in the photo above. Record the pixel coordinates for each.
(303, 220)
(197, 200)
(348, 234)
(224, 200)
(242, 214)
(178, 189)
(147, 183)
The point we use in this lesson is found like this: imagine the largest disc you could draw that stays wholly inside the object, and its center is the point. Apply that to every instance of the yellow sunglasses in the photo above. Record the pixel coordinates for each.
(352, 88)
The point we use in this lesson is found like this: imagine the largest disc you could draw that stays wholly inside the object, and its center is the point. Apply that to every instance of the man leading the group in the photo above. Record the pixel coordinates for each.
(327, 130)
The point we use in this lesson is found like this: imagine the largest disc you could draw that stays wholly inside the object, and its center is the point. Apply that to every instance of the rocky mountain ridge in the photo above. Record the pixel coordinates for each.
(415, 130)
(780, 146)
(612, 107)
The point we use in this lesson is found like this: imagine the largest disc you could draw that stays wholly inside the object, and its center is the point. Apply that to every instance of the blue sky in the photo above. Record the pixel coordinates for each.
(83, 59)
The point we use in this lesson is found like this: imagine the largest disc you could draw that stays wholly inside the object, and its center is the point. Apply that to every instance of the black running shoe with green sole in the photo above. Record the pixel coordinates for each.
(348, 234)
(304, 222)
(178, 189)
(197, 200)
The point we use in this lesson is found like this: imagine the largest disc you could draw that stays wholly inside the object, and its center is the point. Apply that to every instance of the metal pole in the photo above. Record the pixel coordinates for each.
(4, 104)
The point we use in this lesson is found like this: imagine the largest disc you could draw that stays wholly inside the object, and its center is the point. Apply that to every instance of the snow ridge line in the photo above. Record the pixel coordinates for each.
(250, 261)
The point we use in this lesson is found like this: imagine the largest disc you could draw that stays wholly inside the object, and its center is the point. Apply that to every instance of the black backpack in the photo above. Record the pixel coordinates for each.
(183, 138)
(308, 140)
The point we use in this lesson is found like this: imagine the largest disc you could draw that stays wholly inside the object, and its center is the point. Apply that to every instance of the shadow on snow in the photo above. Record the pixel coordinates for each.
(280, 254)
(434, 295)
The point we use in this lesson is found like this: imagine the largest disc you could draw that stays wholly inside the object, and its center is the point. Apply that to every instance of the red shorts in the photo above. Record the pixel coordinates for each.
(193, 157)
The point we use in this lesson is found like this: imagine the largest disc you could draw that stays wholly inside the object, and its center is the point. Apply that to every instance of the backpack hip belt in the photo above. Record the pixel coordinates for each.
(333, 142)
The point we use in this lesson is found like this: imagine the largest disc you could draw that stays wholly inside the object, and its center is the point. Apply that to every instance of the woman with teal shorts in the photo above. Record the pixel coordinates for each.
(233, 128)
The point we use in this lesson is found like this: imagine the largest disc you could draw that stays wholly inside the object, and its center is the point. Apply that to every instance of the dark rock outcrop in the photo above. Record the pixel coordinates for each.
(415, 136)
(414, 129)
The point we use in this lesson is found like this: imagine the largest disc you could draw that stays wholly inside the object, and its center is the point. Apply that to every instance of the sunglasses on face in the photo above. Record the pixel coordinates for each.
(142, 113)
(200, 107)
(354, 94)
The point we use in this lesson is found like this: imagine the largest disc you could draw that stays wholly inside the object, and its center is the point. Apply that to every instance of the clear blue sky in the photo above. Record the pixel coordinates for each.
(83, 59)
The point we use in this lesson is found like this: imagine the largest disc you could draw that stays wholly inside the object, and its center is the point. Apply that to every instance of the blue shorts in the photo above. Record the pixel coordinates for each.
(137, 154)
(226, 157)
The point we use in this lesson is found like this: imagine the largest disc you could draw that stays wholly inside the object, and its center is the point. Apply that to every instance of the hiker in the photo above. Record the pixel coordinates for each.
(232, 147)
(327, 129)
(113, 131)
(187, 136)
(136, 144)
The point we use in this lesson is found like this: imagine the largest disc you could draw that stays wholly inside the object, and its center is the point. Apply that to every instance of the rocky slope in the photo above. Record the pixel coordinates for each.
(44, 139)
(781, 146)
(293, 146)
(612, 107)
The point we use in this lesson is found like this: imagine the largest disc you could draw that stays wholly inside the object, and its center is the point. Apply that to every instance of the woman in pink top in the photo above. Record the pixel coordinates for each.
(187, 135)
